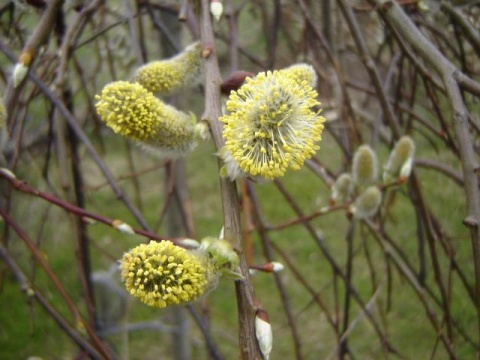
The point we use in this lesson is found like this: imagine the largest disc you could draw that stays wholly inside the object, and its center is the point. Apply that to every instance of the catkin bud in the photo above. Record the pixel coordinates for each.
(367, 203)
(202, 130)
(220, 252)
(132, 111)
(188, 243)
(271, 267)
(216, 9)
(162, 274)
(21, 68)
(230, 167)
(170, 76)
(8, 173)
(400, 162)
(364, 166)
(342, 189)
(19, 73)
(303, 72)
(123, 227)
(263, 333)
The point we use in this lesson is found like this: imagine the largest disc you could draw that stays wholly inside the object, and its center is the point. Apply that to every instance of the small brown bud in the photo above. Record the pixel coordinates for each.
(234, 81)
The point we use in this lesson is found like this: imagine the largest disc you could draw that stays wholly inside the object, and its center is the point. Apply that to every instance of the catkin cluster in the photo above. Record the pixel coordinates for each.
(131, 109)
(361, 186)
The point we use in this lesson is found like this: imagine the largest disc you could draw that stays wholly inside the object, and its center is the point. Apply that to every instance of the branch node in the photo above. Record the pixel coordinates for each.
(470, 221)
(386, 5)
(207, 50)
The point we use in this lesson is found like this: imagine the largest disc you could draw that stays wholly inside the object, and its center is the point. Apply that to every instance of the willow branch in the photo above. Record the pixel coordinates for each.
(78, 211)
(230, 202)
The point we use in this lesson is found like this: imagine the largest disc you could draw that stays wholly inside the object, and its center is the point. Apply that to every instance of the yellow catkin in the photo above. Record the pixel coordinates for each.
(132, 111)
(303, 72)
(162, 274)
(170, 76)
(271, 125)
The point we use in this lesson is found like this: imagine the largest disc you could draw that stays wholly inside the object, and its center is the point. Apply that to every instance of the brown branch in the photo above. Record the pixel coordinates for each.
(78, 211)
(230, 202)
(406, 270)
(442, 168)
(343, 345)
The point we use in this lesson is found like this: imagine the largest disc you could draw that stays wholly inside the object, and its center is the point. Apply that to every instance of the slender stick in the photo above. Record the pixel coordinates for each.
(78, 211)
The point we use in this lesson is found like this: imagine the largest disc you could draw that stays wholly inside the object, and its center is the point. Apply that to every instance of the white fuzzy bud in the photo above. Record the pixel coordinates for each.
(19, 73)
(221, 253)
(205, 243)
(190, 243)
(277, 266)
(263, 332)
(342, 189)
(367, 204)
(8, 173)
(364, 166)
(400, 162)
(324, 209)
(123, 227)
(216, 9)
(406, 169)
(202, 131)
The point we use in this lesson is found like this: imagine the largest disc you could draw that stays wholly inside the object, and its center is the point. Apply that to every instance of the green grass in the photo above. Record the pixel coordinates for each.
(23, 334)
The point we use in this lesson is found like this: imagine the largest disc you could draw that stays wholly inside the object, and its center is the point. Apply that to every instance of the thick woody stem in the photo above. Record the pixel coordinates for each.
(230, 202)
